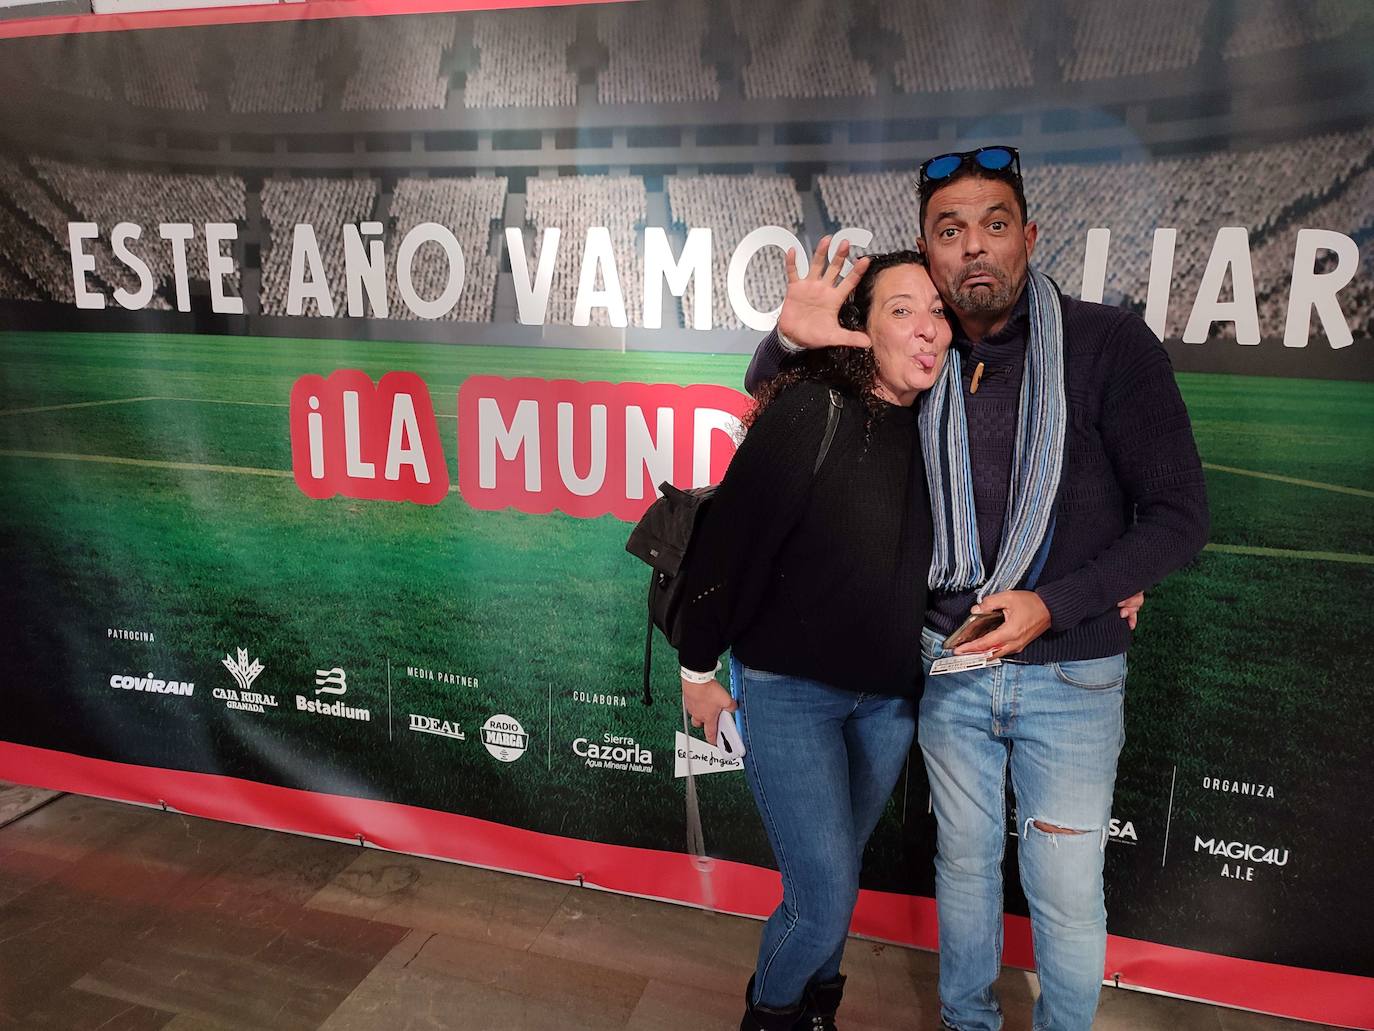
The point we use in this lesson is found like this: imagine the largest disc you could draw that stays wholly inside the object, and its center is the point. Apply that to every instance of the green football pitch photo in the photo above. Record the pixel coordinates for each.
(148, 490)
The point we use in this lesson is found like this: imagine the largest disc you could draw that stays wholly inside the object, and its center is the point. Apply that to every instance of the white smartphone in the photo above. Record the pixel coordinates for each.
(728, 738)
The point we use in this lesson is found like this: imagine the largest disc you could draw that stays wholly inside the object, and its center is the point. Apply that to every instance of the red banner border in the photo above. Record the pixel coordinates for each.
(304, 10)
(1316, 995)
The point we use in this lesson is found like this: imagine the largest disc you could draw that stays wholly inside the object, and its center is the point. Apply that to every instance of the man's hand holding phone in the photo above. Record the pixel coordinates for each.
(1004, 624)
(1024, 618)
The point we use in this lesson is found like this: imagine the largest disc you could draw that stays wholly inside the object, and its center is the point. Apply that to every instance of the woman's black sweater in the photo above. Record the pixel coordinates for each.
(821, 576)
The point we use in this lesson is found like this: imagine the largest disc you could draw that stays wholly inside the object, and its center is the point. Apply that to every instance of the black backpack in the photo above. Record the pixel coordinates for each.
(663, 539)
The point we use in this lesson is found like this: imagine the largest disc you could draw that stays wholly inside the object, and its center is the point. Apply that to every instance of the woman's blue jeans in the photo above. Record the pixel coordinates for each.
(822, 763)
(1059, 727)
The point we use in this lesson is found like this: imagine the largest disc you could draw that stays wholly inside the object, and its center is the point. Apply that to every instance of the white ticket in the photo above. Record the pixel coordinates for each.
(961, 664)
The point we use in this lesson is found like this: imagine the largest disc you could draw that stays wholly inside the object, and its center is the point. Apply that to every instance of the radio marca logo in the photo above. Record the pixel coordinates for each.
(504, 737)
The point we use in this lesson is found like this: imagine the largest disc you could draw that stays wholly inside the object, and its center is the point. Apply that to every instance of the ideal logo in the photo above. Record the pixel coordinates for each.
(331, 681)
(504, 738)
(243, 671)
(434, 725)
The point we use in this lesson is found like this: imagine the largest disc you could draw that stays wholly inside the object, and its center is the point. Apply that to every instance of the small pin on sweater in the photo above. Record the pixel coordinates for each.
(977, 378)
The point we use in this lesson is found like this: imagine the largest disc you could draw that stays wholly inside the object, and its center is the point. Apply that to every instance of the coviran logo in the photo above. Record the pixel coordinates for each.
(614, 753)
(153, 685)
(504, 738)
(1238, 787)
(1243, 854)
(244, 672)
(332, 682)
(434, 725)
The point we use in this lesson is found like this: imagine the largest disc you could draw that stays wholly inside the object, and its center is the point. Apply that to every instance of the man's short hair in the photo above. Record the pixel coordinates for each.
(971, 170)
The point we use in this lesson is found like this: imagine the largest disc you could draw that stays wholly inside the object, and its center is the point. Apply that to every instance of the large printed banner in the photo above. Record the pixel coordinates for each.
(339, 353)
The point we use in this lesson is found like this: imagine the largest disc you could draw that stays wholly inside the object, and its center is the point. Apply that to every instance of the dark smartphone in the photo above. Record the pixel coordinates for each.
(975, 627)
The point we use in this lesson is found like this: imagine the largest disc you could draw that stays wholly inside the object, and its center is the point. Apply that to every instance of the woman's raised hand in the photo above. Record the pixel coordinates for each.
(705, 703)
(810, 315)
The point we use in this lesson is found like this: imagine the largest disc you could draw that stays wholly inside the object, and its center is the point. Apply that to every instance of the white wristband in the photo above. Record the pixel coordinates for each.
(788, 343)
(693, 677)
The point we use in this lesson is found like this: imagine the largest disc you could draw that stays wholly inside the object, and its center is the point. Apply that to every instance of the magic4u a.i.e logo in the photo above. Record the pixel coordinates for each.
(1239, 858)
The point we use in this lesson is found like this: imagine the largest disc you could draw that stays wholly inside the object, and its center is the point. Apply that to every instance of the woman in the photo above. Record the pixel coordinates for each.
(815, 579)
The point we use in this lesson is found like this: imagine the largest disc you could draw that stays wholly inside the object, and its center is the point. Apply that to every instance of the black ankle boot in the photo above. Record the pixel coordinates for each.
(765, 1018)
(822, 1002)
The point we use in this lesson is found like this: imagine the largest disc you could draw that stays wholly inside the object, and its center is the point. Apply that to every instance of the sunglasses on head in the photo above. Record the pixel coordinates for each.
(992, 159)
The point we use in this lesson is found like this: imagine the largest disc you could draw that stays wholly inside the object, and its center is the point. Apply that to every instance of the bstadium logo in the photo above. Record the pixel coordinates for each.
(442, 728)
(152, 685)
(1248, 788)
(616, 701)
(244, 672)
(332, 682)
(614, 752)
(504, 738)
(1239, 859)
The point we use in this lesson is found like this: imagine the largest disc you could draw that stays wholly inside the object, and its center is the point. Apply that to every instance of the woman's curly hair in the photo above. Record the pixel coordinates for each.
(850, 369)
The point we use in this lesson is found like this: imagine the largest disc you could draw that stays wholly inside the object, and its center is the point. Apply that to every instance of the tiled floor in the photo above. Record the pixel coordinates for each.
(124, 919)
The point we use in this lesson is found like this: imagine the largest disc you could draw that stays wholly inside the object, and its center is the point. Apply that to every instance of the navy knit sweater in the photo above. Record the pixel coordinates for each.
(1132, 504)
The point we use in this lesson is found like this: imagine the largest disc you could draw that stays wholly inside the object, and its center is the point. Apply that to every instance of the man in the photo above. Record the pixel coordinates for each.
(1063, 476)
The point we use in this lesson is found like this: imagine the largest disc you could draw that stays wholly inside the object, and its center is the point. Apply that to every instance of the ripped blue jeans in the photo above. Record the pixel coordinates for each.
(1060, 728)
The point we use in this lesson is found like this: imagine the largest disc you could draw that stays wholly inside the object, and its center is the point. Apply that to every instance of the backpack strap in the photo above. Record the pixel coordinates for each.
(832, 420)
(649, 641)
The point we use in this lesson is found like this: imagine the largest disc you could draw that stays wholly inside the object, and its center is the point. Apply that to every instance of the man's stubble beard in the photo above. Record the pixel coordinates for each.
(981, 300)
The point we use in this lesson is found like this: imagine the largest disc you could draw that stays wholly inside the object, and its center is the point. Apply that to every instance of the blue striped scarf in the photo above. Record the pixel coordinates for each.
(1038, 459)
